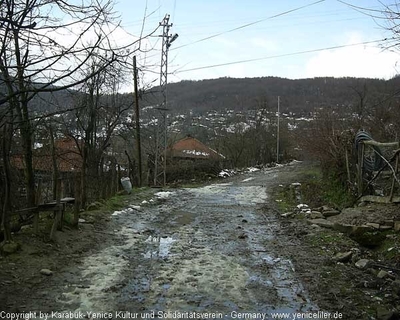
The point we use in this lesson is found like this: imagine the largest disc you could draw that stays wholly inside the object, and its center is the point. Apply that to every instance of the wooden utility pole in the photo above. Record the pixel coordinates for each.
(138, 144)
(277, 134)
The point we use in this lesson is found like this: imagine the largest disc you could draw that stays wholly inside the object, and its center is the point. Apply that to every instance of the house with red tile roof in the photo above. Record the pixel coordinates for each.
(192, 149)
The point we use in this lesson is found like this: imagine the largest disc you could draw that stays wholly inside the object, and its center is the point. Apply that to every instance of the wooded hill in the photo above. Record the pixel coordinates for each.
(300, 96)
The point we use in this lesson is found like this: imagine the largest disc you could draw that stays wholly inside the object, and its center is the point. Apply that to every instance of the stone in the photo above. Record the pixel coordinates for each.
(343, 256)
(321, 222)
(46, 272)
(362, 228)
(326, 208)
(315, 215)
(330, 213)
(81, 220)
(396, 226)
(385, 228)
(363, 263)
(373, 225)
(10, 247)
(344, 228)
(382, 274)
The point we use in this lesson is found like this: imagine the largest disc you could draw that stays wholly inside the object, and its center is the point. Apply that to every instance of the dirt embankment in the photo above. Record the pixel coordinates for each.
(349, 260)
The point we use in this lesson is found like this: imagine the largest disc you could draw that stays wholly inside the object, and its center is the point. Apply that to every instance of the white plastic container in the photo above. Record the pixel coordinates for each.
(126, 184)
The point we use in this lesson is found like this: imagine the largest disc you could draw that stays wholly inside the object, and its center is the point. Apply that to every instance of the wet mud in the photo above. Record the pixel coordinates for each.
(208, 250)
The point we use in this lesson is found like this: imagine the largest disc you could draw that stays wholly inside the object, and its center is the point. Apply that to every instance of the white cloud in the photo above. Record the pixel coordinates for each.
(356, 61)
(237, 71)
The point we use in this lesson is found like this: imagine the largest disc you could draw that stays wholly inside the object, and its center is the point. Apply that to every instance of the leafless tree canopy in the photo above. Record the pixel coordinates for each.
(47, 46)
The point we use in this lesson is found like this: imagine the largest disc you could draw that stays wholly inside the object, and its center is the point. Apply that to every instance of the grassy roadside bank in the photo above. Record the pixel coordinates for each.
(326, 259)
(315, 190)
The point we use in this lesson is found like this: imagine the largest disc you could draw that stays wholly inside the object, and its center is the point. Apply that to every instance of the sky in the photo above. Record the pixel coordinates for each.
(287, 38)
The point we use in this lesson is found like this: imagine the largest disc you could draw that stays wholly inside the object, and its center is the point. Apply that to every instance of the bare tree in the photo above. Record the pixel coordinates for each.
(99, 112)
(33, 60)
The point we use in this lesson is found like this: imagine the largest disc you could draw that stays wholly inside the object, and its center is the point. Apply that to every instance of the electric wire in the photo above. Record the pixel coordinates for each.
(248, 24)
(282, 55)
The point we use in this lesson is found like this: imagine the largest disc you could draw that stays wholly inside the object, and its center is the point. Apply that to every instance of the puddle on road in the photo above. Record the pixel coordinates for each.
(162, 247)
(183, 218)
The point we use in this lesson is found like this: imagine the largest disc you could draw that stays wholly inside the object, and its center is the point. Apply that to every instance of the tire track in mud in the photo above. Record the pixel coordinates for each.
(206, 249)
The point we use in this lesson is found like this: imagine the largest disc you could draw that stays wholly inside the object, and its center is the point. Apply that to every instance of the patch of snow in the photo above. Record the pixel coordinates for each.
(145, 202)
(148, 108)
(302, 206)
(123, 211)
(196, 153)
(296, 184)
(248, 179)
(224, 174)
(243, 195)
(37, 145)
(164, 194)
(252, 169)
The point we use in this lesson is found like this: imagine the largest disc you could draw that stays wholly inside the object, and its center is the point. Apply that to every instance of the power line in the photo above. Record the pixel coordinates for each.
(300, 16)
(250, 24)
(282, 55)
(362, 8)
(280, 26)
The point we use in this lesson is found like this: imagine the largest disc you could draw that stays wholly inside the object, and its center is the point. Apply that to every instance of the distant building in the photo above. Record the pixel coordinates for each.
(190, 160)
(190, 148)
(68, 157)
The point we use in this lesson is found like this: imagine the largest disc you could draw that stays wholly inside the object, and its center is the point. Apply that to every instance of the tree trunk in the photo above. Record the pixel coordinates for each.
(54, 162)
(83, 177)
(26, 135)
(7, 182)
(77, 196)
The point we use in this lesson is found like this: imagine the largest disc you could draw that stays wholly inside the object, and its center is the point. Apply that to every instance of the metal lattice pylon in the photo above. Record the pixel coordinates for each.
(160, 162)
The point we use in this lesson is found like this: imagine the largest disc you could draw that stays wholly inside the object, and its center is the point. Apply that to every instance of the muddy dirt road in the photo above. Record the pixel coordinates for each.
(208, 252)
